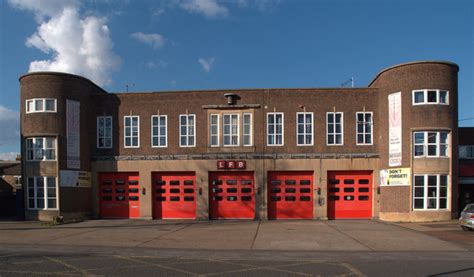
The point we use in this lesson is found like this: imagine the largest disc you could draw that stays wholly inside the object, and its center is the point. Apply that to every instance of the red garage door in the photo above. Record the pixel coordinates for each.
(231, 195)
(290, 194)
(119, 195)
(174, 195)
(349, 194)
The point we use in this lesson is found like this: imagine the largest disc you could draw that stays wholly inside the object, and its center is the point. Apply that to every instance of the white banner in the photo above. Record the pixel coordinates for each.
(73, 134)
(395, 129)
(74, 178)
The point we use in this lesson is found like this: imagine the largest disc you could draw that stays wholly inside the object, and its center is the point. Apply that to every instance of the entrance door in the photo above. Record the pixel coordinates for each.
(290, 194)
(119, 195)
(349, 194)
(174, 195)
(231, 195)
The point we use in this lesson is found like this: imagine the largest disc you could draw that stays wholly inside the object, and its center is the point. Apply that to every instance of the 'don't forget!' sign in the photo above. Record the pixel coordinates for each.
(395, 177)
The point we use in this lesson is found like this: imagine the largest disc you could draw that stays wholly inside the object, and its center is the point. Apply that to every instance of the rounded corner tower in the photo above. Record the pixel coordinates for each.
(418, 108)
(55, 141)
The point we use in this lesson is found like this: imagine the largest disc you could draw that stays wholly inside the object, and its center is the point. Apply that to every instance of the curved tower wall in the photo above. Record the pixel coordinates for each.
(63, 88)
(396, 202)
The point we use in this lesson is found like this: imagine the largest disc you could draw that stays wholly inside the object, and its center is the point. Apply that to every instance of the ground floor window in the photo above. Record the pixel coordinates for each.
(430, 192)
(42, 193)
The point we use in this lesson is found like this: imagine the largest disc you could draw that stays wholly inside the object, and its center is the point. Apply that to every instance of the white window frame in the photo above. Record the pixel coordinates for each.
(43, 149)
(43, 108)
(364, 132)
(211, 134)
(334, 133)
(231, 134)
(105, 137)
(158, 135)
(425, 97)
(304, 134)
(187, 135)
(45, 192)
(426, 197)
(437, 144)
(131, 134)
(250, 134)
(274, 114)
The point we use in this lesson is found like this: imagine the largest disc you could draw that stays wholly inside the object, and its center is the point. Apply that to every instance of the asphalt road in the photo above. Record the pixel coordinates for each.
(235, 248)
(28, 260)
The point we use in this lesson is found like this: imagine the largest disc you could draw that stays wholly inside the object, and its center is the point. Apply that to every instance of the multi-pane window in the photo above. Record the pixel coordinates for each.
(41, 149)
(275, 129)
(42, 193)
(214, 129)
(41, 105)
(187, 130)
(132, 131)
(247, 129)
(430, 96)
(430, 144)
(334, 127)
(230, 126)
(159, 131)
(304, 128)
(466, 151)
(364, 128)
(104, 132)
(430, 192)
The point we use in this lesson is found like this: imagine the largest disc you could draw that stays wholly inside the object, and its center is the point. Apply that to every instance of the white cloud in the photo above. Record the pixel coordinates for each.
(156, 64)
(8, 156)
(10, 126)
(156, 41)
(44, 8)
(77, 45)
(206, 63)
(208, 8)
(261, 5)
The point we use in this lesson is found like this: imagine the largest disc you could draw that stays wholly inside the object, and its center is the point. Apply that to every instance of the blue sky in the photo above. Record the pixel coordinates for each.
(212, 44)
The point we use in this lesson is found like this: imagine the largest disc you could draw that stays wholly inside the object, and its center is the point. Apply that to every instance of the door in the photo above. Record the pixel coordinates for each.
(349, 194)
(174, 195)
(231, 195)
(119, 195)
(290, 194)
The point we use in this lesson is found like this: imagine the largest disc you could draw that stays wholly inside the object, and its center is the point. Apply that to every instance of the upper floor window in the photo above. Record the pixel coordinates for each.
(159, 131)
(41, 105)
(214, 129)
(466, 151)
(187, 130)
(230, 128)
(334, 128)
(42, 193)
(364, 128)
(275, 127)
(430, 144)
(304, 128)
(430, 192)
(430, 96)
(132, 131)
(247, 129)
(41, 149)
(104, 132)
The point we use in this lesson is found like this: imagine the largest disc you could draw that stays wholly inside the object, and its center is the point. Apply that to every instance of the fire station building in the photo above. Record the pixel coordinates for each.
(386, 151)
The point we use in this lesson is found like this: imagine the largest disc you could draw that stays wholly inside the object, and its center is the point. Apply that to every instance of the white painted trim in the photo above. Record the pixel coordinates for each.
(335, 133)
(43, 110)
(304, 125)
(187, 134)
(250, 129)
(425, 97)
(274, 131)
(131, 134)
(111, 132)
(159, 134)
(364, 132)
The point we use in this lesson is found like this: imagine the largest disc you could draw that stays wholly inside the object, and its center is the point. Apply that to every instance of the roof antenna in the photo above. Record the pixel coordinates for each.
(129, 85)
(351, 81)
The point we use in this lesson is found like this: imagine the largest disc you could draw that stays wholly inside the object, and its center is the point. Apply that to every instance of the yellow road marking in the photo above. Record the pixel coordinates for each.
(82, 271)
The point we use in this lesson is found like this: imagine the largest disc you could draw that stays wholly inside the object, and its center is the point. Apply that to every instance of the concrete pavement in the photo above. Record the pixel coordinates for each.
(296, 235)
